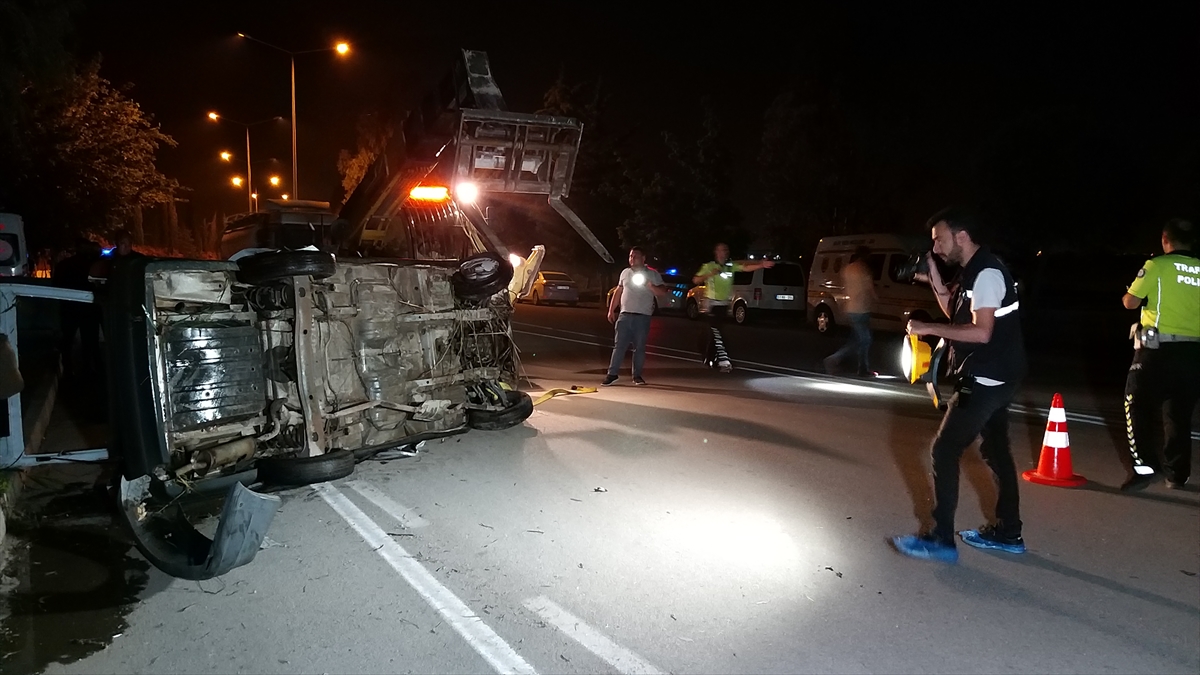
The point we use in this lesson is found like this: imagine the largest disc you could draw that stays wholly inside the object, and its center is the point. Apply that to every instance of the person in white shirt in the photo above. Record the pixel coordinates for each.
(630, 310)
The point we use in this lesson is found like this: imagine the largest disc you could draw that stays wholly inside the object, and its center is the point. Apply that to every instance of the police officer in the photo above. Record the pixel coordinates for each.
(987, 361)
(717, 277)
(1166, 360)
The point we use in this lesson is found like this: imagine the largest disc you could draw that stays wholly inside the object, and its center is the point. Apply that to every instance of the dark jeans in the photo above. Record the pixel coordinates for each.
(84, 319)
(986, 415)
(632, 330)
(714, 342)
(1161, 392)
(859, 343)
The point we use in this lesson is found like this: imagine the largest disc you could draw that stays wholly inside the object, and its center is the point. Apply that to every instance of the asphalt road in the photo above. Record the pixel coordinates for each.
(704, 523)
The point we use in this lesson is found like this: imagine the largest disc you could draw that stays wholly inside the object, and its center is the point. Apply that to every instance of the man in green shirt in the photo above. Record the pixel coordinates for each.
(717, 277)
(1165, 375)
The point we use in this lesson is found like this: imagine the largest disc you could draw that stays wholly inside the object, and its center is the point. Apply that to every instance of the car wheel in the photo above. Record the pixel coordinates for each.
(264, 268)
(519, 408)
(296, 471)
(693, 310)
(824, 319)
(740, 313)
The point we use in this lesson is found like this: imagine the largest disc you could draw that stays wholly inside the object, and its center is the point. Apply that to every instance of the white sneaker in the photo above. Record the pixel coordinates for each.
(725, 367)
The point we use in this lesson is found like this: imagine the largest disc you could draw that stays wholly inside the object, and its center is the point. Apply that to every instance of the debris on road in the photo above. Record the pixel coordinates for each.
(487, 526)
(839, 574)
(551, 393)
(600, 489)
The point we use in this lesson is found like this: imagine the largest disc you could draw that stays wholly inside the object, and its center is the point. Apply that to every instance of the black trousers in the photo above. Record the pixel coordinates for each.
(714, 342)
(1161, 392)
(984, 414)
(84, 319)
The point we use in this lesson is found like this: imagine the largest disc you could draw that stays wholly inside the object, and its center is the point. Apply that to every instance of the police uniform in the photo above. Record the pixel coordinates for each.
(718, 289)
(1166, 367)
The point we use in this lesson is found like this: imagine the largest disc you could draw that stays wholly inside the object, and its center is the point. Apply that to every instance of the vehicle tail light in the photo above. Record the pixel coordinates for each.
(430, 193)
(758, 294)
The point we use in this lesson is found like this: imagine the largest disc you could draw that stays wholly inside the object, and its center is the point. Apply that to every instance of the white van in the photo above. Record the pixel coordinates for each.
(897, 301)
(14, 256)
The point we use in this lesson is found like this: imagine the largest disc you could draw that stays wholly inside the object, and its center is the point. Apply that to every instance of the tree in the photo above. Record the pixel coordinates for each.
(85, 157)
(374, 131)
(33, 50)
(815, 178)
(598, 181)
(681, 209)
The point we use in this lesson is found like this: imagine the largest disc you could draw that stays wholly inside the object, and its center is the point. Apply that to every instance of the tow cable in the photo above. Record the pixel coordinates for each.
(551, 393)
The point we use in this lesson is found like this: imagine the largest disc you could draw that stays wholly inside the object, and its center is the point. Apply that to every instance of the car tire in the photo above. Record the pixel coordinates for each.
(693, 310)
(481, 276)
(740, 313)
(823, 319)
(298, 471)
(519, 408)
(265, 268)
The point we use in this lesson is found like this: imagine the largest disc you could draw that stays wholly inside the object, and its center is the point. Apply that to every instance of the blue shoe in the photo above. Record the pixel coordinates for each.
(925, 548)
(987, 537)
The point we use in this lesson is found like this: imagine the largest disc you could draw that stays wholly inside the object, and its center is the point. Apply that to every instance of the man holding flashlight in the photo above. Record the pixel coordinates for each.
(630, 310)
(987, 363)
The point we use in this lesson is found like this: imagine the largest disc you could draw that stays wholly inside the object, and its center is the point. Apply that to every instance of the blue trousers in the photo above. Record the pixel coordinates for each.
(859, 344)
(632, 331)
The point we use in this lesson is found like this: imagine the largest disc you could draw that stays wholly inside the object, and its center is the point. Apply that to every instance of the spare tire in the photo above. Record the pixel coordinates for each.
(264, 268)
(297, 471)
(519, 408)
(481, 276)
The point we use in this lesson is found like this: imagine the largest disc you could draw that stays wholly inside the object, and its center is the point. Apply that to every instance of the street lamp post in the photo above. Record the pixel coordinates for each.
(249, 176)
(342, 48)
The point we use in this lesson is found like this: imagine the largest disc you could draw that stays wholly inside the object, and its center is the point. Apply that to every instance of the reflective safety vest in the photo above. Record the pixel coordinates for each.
(1170, 284)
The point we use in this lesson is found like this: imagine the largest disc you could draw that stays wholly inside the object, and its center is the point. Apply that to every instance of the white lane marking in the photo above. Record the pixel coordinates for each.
(1093, 420)
(620, 658)
(405, 516)
(482, 639)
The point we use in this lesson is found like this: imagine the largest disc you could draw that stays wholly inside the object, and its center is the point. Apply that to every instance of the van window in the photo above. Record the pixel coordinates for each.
(837, 264)
(743, 278)
(825, 264)
(897, 261)
(875, 262)
(783, 275)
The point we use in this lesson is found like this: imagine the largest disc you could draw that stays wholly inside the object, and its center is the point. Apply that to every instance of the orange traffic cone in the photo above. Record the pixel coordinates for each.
(1054, 466)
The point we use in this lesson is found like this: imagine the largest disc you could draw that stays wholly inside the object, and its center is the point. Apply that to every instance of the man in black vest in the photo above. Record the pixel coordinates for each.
(987, 363)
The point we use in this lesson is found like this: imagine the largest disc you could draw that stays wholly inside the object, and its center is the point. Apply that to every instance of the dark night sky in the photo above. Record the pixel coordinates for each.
(953, 72)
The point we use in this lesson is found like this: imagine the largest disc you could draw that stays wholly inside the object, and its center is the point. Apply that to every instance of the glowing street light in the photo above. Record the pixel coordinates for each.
(283, 197)
(342, 48)
(274, 181)
(237, 181)
(214, 116)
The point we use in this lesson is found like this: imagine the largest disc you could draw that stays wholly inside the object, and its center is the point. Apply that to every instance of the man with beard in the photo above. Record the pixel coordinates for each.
(987, 363)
